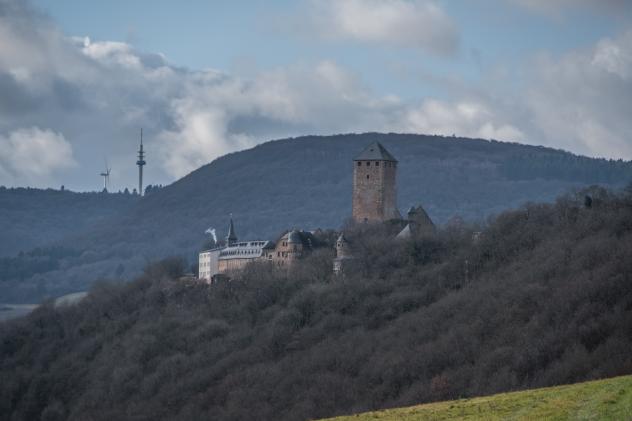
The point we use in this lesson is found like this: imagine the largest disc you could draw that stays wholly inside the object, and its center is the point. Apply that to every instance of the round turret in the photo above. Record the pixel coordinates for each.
(342, 247)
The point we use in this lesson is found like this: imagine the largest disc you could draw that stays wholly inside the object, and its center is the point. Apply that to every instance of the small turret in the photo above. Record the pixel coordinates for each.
(342, 247)
(231, 238)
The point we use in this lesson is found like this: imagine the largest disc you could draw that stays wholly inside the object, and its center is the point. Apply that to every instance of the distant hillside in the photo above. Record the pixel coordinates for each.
(609, 399)
(542, 297)
(32, 218)
(306, 183)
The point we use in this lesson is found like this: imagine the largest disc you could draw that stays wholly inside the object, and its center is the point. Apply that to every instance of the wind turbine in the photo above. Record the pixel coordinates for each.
(106, 176)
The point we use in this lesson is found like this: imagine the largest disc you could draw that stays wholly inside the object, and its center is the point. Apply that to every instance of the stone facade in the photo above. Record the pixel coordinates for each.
(235, 255)
(292, 246)
(375, 185)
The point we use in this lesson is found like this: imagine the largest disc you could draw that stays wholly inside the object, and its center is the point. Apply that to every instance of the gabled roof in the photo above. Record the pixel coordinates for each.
(419, 216)
(375, 152)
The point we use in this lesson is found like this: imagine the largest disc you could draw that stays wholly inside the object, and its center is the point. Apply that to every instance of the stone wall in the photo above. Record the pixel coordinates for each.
(374, 191)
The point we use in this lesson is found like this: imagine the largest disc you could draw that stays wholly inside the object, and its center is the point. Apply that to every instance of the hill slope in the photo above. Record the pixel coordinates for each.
(31, 218)
(609, 399)
(543, 297)
(306, 183)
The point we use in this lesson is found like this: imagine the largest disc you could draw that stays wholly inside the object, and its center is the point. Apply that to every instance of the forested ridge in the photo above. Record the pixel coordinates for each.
(38, 218)
(542, 296)
(300, 183)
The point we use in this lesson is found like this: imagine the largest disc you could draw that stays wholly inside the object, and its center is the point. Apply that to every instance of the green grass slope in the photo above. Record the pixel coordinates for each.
(609, 399)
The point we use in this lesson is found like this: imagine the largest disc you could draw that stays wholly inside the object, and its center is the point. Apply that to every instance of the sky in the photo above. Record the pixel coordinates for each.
(78, 79)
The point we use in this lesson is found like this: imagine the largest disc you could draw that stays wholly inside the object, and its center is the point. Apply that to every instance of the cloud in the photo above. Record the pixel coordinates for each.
(581, 101)
(86, 100)
(35, 155)
(217, 113)
(419, 24)
(471, 119)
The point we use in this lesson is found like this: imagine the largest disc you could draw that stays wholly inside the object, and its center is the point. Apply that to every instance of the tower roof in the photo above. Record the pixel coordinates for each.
(375, 152)
(231, 237)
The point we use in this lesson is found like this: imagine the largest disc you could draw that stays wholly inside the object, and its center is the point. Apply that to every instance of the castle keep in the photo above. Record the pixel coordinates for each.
(374, 185)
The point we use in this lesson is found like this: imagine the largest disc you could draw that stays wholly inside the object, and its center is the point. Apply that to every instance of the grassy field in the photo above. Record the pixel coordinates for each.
(609, 399)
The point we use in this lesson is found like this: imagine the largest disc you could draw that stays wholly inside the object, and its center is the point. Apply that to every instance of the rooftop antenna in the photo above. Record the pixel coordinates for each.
(106, 176)
(141, 162)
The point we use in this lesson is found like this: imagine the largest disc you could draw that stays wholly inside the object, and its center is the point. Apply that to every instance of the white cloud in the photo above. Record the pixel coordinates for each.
(34, 154)
(217, 113)
(581, 101)
(404, 23)
(470, 119)
(614, 56)
(99, 93)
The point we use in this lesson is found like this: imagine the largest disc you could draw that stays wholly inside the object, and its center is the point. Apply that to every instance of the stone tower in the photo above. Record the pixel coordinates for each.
(374, 185)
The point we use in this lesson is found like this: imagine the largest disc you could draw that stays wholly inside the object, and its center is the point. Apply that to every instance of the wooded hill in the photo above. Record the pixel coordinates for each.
(300, 183)
(543, 297)
(32, 218)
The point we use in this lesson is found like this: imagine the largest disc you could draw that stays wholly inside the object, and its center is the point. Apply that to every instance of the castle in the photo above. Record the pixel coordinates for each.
(374, 200)
(235, 255)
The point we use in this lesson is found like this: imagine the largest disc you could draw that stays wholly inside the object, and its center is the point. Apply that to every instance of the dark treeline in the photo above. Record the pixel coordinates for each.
(543, 296)
(565, 166)
(38, 260)
(31, 218)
